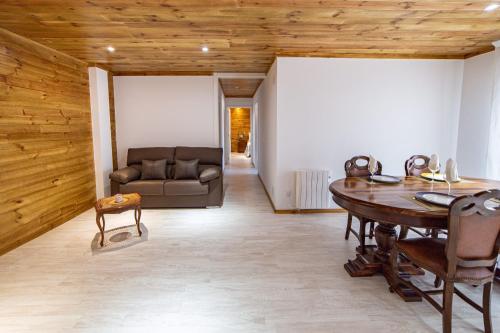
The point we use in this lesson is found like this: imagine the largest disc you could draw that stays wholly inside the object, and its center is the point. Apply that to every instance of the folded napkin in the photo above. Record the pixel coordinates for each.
(451, 174)
(434, 162)
(372, 165)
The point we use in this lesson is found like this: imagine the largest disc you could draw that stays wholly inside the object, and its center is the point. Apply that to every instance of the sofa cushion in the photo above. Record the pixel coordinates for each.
(136, 155)
(209, 174)
(144, 187)
(184, 187)
(205, 155)
(125, 175)
(154, 169)
(186, 169)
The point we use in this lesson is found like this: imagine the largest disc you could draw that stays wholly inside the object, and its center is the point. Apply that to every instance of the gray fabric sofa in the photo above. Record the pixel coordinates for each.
(205, 191)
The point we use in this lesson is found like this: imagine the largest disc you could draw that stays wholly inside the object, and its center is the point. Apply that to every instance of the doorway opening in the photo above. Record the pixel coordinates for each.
(240, 119)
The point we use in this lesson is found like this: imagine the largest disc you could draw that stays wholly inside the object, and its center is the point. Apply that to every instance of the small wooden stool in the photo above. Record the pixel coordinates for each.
(109, 206)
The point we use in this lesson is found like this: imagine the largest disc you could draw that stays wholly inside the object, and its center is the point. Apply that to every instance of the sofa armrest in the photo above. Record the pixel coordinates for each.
(125, 175)
(209, 174)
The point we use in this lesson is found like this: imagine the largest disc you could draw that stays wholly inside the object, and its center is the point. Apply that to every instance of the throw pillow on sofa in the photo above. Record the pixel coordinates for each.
(186, 169)
(125, 175)
(209, 174)
(154, 169)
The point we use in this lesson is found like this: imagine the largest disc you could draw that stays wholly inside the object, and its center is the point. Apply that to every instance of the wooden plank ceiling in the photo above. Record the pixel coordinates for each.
(246, 35)
(239, 88)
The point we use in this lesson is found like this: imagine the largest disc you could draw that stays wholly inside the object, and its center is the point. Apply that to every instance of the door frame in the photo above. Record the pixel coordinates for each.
(228, 137)
(223, 120)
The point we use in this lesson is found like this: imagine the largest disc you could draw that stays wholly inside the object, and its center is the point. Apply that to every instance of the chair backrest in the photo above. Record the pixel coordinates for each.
(416, 165)
(356, 168)
(474, 231)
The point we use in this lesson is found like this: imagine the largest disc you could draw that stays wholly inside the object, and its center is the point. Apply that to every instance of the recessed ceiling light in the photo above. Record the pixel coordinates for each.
(491, 7)
(204, 48)
(110, 49)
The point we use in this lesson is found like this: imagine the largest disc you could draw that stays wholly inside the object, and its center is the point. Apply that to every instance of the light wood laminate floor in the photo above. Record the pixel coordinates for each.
(239, 268)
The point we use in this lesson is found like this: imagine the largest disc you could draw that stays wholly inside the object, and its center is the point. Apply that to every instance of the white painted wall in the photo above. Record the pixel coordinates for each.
(255, 133)
(493, 159)
(268, 130)
(101, 129)
(331, 109)
(222, 109)
(165, 111)
(475, 114)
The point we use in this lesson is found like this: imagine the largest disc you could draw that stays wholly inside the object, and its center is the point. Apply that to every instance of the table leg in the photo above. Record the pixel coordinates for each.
(101, 228)
(377, 260)
(137, 215)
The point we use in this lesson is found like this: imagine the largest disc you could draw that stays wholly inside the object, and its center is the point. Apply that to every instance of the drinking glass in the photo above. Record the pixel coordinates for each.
(448, 180)
(433, 169)
(372, 169)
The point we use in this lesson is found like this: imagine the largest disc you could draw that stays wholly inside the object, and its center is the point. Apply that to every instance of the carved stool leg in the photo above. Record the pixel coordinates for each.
(137, 215)
(101, 228)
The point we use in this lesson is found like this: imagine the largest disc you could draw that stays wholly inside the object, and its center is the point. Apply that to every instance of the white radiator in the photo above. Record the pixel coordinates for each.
(311, 189)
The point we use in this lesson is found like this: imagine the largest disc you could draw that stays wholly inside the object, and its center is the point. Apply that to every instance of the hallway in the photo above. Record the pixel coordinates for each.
(239, 268)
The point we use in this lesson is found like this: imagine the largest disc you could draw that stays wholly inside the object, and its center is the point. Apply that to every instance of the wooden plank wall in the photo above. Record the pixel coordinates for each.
(46, 159)
(240, 124)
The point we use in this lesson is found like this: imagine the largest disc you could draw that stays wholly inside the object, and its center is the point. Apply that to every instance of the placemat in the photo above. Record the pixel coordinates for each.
(367, 180)
(442, 182)
(427, 206)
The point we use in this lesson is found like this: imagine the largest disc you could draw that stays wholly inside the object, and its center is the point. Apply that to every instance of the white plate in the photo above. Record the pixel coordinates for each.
(435, 198)
(385, 179)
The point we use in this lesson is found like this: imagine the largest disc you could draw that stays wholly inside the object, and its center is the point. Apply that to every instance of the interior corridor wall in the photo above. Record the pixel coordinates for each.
(267, 126)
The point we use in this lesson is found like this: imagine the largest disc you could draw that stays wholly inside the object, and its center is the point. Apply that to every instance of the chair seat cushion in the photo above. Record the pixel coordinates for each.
(144, 187)
(429, 253)
(185, 187)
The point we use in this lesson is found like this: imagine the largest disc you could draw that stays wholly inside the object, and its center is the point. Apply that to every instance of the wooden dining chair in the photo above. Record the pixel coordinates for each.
(468, 255)
(354, 167)
(415, 166)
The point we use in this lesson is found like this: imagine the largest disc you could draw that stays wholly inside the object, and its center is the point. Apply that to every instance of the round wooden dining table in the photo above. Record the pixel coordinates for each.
(391, 205)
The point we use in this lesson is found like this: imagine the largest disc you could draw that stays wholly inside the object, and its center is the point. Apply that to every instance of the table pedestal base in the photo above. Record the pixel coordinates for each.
(376, 260)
